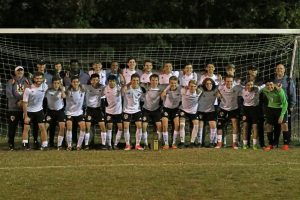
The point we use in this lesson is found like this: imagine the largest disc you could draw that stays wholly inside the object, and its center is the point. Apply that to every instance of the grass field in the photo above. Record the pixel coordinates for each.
(174, 174)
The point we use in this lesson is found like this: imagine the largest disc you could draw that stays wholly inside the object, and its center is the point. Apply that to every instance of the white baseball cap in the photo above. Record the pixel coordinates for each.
(19, 67)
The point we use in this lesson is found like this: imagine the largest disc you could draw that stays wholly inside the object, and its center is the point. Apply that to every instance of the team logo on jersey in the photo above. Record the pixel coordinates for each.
(144, 118)
(181, 113)
(125, 116)
(12, 118)
(200, 117)
(69, 116)
(20, 89)
(48, 118)
(222, 114)
(165, 114)
(108, 118)
(89, 117)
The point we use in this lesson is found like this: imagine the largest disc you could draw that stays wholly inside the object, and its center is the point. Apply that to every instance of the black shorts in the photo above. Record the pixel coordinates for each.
(188, 116)
(273, 114)
(134, 117)
(170, 113)
(113, 118)
(251, 114)
(227, 115)
(37, 117)
(207, 116)
(76, 119)
(153, 116)
(54, 116)
(94, 115)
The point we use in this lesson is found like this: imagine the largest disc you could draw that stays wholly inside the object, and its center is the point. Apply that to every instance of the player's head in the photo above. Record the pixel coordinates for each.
(280, 70)
(56, 82)
(114, 66)
(230, 69)
(173, 82)
(57, 66)
(148, 65)
(192, 85)
(229, 81)
(131, 63)
(168, 67)
(208, 84)
(19, 71)
(135, 80)
(188, 68)
(252, 72)
(210, 68)
(249, 85)
(38, 78)
(112, 81)
(75, 82)
(269, 84)
(74, 66)
(41, 65)
(154, 79)
(94, 80)
(97, 66)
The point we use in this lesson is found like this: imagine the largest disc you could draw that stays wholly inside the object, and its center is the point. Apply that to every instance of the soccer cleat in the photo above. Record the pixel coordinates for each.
(11, 147)
(36, 145)
(219, 145)
(44, 148)
(174, 146)
(146, 147)
(181, 145)
(116, 147)
(86, 148)
(235, 145)
(69, 148)
(138, 147)
(78, 148)
(103, 147)
(192, 145)
(108, 147)
(245, 146)
(211, 145)
(255, 147)
(165, 147)
(268, 148)
(127, 148)
(25, 146)
(285, 147)
(60, 148)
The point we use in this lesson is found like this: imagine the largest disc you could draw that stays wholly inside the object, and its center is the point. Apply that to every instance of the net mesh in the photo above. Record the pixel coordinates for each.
(263, 51)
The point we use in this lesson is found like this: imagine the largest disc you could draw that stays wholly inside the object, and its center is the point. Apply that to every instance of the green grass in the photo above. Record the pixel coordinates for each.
(173, 174)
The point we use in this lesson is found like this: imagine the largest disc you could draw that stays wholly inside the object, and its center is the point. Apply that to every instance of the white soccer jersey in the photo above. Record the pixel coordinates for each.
(164, 78)
(102, 76)
(172, 99)
(251, 98)
(127, 74)
(93, 96)
(207, 100)
(189, 101)
(54, 99)
(152, 99)
(145, 77)
(229, 99)
(114, 100)
(34, 96)
(132, 100)
(74, 102)
(184, 79)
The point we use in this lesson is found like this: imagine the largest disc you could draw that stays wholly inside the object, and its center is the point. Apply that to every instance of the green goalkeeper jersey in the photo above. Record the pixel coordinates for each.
(276, 99)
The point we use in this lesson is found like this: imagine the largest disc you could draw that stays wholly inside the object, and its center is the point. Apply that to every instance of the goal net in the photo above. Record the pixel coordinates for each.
(243, 50)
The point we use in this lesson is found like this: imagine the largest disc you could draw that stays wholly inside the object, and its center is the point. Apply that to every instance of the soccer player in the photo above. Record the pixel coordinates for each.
(55, 113)
(94, 114)
(58, 71)
(188, 110)
(75, 95)
(15, 88)
(97, 69)
(229, 110)
(166, 74)
(210, 68)
(251, 112)
(276, 113)
(76, 71)
(186, 75)
(132, 94)
(33, 109)
(171, 97)
(130, 70)
(151, 108)
(41, 67)
(207, 111)
(288, 87)
(113, 109)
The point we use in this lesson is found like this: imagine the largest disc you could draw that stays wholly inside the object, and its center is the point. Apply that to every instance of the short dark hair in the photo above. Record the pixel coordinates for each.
(154, 76)
(38, 74)
(134, 76)
(74, 77)
(228, 76)
(252, 68)
(147, 60)
(173, 78)
(131, 58)
(111, 78)
(56, 78)
(205, 81)
(95, 75)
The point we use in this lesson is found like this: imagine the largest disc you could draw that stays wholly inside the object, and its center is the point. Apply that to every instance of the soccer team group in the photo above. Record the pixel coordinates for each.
(72, 100)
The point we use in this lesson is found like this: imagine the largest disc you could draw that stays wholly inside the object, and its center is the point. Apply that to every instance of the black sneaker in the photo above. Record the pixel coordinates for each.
(44, 148)
(180, 145)
(108, 147)
(86, 147)
(212, 145)
(11, 147)
(103, 147)
(25, 146)
(116, 147)
(146, 147)
(192, 145)
(60, 148)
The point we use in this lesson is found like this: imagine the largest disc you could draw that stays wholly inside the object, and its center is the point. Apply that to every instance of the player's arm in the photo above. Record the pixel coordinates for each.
(284, 103)
(25, 105)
